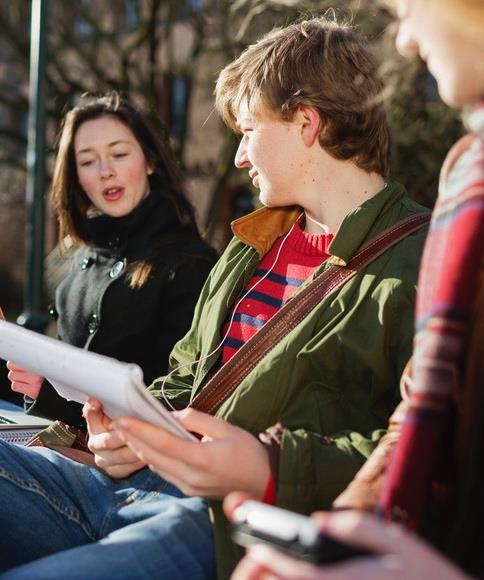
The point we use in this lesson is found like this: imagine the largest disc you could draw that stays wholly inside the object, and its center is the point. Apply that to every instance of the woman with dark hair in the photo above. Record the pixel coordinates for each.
(139, 263)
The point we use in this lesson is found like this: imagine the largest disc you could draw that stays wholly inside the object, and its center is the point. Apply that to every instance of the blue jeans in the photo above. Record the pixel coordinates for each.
(8, 406)
(61, 519)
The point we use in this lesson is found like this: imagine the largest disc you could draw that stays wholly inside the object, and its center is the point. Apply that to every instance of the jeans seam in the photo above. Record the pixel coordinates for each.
(34, 487)
(131, 499)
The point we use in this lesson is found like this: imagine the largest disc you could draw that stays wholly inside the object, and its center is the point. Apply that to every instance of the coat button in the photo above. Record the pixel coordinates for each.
(93, 324)
(53, 312)
(117, 269)
(87, 263)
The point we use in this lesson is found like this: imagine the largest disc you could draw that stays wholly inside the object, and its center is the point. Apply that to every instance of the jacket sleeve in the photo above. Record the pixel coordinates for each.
(52, 406)
(311, 469)
(324, 465)
(365, 488)
(177, 385)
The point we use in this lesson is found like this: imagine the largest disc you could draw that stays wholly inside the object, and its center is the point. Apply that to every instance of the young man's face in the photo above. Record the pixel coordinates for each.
(272, 151)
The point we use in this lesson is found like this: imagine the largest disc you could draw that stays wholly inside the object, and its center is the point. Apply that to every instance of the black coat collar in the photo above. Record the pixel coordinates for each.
(154, 217)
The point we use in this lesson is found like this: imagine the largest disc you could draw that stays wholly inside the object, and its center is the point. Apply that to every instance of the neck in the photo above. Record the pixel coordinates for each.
(315, 225)
(337, 193)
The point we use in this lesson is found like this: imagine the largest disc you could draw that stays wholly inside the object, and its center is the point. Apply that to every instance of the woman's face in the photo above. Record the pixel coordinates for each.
(111, 166)
(453, 57)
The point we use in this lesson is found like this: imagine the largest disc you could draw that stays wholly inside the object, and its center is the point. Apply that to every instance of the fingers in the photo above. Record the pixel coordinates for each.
(149, 444)
(210, 469)
(363, 530)
(202, 423)
(263, 562)
(105, 441)
(186, 464)
(24, 381)
(25, 389)
(111, 454)
(271, 563)
(233, 500)
(274, 564)
(11, 366)
(397, 550)
(118, 471)
(150, 440)
(248, 569)
(101, 435)
(97, 421)
(398, 553)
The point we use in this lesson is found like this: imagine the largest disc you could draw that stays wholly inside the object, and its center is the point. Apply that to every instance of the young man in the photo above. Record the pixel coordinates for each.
(315, 143)
(434, 482)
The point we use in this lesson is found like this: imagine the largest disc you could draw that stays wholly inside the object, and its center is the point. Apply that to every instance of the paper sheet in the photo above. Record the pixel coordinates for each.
(78, 374)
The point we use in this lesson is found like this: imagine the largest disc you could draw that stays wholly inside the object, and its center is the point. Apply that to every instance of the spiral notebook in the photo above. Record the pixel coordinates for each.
(19, 427)
(78, 374)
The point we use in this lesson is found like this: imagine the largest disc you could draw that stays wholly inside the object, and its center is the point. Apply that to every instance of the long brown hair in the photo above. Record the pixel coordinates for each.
(71, 203)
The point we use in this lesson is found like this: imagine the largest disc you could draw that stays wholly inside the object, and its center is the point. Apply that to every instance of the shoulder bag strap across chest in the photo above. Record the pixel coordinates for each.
(224, 382)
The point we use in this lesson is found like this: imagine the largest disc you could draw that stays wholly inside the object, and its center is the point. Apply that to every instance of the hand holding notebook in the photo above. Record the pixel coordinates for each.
(78, 374)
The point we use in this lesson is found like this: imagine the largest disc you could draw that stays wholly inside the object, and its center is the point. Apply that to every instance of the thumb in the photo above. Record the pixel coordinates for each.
(97, 422)
(202, 423)
(233, 500)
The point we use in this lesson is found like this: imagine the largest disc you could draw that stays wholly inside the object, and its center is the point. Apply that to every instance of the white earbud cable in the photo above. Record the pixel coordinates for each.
(234, 310)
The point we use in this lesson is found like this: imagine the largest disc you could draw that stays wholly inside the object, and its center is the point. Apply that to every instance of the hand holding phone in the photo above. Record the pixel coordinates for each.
(292, 533)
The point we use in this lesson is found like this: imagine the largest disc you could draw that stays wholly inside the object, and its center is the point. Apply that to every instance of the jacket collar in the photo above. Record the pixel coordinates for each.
(261, 228)
(154, 217)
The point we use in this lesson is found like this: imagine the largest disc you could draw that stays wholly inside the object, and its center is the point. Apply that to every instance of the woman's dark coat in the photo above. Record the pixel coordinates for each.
(97, 310)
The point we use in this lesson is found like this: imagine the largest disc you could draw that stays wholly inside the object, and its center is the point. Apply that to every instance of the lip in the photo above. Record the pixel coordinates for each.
(253, 176)
(113, 193)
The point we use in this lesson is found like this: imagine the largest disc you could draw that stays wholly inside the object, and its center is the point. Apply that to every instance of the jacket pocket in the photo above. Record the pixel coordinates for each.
(316, 408)
(328, 405)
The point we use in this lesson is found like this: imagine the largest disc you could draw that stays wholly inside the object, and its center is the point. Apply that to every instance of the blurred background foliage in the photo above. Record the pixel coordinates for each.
(165, 55)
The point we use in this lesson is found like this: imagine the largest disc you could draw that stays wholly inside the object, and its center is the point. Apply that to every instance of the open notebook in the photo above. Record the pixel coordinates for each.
(78, 374)
(18, 427)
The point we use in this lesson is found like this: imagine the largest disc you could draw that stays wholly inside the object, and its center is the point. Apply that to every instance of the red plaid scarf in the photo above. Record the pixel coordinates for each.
(447, 283)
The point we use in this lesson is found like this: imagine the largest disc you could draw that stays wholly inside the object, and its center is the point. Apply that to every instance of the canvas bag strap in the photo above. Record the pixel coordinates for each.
(224, 382)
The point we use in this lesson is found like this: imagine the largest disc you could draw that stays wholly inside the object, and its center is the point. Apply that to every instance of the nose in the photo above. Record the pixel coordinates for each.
(241, 160)
(405, 41)
(105, 169)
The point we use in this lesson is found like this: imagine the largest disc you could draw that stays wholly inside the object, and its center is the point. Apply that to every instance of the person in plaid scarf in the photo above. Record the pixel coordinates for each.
(436, 474)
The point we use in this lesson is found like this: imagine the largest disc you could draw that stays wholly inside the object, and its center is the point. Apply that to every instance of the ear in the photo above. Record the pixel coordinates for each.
(310, 122)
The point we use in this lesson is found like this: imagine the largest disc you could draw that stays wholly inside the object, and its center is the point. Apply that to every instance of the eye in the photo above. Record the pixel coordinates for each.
(85, 163)
(119, 155)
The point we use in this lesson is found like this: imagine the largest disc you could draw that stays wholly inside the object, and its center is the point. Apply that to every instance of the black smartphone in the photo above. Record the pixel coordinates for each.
(289, 532)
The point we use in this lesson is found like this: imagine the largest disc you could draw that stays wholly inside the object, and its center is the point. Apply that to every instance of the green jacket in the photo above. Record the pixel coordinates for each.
(333, 381)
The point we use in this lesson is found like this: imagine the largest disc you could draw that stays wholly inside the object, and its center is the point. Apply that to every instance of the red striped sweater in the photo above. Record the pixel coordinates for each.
(301, 254)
